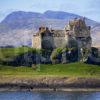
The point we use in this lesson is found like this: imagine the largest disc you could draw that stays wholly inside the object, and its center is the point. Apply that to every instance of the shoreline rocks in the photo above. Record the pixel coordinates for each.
(51, 84)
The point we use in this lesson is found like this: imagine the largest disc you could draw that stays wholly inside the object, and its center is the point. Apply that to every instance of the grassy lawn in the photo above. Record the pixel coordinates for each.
(70, 70)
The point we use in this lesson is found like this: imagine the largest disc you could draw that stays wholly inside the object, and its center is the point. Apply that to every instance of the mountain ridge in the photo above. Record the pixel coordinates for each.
(19, 24)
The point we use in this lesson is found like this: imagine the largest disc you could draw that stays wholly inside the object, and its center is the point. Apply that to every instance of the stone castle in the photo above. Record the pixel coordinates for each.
(75, 34)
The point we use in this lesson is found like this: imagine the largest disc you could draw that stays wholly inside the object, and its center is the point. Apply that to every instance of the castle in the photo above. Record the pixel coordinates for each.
(75, 34)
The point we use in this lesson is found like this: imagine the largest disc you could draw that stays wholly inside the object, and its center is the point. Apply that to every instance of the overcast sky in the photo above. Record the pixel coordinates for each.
(88, 8)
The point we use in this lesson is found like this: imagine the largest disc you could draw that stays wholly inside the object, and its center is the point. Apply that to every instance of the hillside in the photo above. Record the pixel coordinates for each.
(11, 58)
(18, 27)
(50, 77)
(70, 70)
(96, 35)
(20, 76)
(18, 56)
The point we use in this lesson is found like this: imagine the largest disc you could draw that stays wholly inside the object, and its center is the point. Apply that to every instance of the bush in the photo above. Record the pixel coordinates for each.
(56, 55)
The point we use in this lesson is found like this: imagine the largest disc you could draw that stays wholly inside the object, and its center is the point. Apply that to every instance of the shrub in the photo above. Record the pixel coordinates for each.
(56, 55)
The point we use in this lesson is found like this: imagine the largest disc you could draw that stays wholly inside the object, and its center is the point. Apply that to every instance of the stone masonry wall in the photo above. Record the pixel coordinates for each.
(36, 42)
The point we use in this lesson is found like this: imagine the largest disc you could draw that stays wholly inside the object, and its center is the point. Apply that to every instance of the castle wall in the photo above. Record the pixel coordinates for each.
(59, 41)
(47, 42)
(83, 33)
(36, 42)
(54, 42)
(75, 34)
(75, 31)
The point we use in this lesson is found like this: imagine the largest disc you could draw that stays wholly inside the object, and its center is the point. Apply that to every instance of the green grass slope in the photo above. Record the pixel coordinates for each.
(70, 70)
(6, 53)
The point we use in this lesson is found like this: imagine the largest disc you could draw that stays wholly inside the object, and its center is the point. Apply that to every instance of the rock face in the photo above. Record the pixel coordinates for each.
(75, 34)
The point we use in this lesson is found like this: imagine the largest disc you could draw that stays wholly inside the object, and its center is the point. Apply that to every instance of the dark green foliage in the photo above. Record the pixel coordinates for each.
(19, 56)
(94, 52)
(56, 55)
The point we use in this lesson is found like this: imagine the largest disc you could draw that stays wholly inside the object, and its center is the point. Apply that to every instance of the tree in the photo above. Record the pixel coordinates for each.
(56, 55)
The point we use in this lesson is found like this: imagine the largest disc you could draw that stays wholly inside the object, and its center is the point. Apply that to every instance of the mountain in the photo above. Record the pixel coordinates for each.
(18, 27)
(96, 35)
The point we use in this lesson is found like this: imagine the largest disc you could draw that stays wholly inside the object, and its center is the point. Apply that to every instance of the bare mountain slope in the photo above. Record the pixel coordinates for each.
(18, 27)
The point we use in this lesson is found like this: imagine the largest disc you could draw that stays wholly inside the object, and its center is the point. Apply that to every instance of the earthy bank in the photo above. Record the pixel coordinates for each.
(49, 83)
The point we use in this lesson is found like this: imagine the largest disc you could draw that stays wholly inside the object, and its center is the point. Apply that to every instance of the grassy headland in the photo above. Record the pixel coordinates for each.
(70, 69)
(59, 77)
(77, 75)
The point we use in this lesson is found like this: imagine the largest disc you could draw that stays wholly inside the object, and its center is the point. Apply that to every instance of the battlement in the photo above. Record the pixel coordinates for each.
(45, 31)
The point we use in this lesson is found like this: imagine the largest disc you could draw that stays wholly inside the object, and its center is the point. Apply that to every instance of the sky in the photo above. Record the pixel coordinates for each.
(87, 8)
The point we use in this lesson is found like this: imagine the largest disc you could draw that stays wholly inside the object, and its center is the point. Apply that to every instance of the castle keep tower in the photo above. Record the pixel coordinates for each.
(48, 39)
(43, 39)
(79, 33)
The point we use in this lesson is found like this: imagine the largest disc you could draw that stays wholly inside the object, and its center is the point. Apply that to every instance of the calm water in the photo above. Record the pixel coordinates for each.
(49, 95)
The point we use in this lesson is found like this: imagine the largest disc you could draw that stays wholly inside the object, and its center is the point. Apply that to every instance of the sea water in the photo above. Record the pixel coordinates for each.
(49, 95)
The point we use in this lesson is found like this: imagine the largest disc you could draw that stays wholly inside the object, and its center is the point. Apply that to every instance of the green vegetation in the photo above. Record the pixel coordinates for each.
(18, 56)
(70, 53)
(71, 70)
(56, 52)
(12, 52)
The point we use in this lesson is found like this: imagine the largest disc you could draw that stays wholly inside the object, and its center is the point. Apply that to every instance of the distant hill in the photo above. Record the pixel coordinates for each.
(96, 35)
(18, 27)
